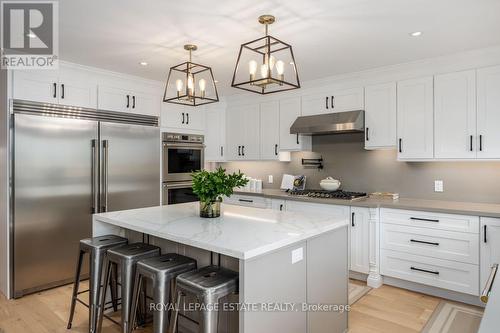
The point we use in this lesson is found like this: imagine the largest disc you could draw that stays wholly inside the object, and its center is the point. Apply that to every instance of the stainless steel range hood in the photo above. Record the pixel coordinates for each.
(330, 123)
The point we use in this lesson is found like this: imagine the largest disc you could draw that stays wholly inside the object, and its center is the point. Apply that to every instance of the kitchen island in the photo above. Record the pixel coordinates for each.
(292, 266)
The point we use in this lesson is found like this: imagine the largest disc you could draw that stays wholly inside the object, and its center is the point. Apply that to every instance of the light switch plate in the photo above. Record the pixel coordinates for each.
(270, 179)
(438, 186)
(297, 255)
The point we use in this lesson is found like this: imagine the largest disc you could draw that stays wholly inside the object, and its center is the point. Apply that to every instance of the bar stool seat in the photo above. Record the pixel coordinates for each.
(208, 285)
(162, 271)
(125, 258)
(97, 248)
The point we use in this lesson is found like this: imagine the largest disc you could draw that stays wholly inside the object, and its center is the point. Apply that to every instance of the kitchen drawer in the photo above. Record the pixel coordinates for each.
(441, 244)
(248, 200)
(450, 222)
(312, 207)
(439, 273)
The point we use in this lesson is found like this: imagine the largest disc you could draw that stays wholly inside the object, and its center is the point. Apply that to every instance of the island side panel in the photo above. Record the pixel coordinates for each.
(327, 280)
(273, 278)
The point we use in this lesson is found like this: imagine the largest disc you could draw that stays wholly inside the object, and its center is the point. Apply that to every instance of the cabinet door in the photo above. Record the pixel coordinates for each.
(380, 116)
(488, 112)
(195, 118)
(36, 85)
(455, 115)
(215, 123)
(490, 247)
(147, 104)
(316, 103)
(415, 119)
(251, 128)
(346, 100)
(76, 88)
(235, 135)
(269, 133)
(290, 109)
(173, 116)
(278, 204)
(114, 99)
(360, 239)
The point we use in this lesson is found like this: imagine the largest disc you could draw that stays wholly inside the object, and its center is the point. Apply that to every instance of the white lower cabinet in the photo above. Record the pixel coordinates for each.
(360, 240)
(310, 207)
(446, 274)
(248, 200)
(278, 204)
(436, 249)
(490, 246)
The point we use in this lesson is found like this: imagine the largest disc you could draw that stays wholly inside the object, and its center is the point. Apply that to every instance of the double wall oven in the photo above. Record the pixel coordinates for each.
(182, 154)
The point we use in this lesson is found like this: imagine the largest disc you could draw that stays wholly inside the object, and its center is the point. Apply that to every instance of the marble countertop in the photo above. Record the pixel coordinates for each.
(240, 232)
(439, 206)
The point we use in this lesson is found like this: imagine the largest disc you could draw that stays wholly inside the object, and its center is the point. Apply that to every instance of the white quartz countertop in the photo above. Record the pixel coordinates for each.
(240, 232)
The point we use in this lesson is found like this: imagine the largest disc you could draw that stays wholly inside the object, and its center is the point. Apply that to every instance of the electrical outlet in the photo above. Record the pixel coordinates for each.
(438, 186)
(297, 255)
(270, 179)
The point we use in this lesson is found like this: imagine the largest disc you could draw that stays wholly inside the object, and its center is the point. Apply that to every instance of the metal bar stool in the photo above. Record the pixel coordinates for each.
(162, 271)
(96, 248)
(126, 258)
(208, 285)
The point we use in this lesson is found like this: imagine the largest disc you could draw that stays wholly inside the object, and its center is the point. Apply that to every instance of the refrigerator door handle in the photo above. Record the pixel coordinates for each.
(104, 191)
(95, 184)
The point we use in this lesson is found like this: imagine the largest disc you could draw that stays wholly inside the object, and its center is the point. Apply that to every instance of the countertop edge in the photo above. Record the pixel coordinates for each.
(466, 208)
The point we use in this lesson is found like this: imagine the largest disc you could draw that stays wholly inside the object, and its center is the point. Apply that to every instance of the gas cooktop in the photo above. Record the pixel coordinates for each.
(339, 194)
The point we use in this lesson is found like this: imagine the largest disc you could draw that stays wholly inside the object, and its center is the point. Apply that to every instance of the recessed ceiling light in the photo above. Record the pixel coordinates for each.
(31, 35)
(143, 63)
(416, 33)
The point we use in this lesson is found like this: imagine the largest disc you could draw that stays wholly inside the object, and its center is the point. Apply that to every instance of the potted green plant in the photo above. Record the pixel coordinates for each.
(211, 186)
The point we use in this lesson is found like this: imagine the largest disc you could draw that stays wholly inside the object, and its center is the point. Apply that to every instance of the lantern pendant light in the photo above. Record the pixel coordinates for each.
(266, 65)
(190, 83)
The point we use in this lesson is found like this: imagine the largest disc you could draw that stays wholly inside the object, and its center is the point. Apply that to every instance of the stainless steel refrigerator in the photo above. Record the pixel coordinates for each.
(68, 163)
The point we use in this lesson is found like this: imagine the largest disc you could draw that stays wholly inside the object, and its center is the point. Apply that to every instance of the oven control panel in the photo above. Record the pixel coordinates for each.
(177, 137)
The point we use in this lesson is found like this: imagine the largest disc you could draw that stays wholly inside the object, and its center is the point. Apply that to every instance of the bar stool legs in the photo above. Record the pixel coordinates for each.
(75, 289)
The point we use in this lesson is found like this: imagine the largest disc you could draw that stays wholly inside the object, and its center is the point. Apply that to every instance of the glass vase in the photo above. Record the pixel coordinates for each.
(210, 209)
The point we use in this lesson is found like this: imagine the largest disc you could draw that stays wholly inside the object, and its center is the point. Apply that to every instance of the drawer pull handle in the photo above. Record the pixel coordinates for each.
(487, 288)
(424, 242)
(424, 270)
(422, 219)
(245, 200)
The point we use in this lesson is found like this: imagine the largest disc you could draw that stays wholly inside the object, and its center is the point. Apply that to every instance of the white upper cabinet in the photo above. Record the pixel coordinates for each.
(380, 116)
(243, 132)
(289, 110)
(455, 115)
(180, 118)
(215, 132)
(488, 112)
(335, 100)
(64, 86)
(36, 85)
(269, 130)
(112, 98)
(415, 117)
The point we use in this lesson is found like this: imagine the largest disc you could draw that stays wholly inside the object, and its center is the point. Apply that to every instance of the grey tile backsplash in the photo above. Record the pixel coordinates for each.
(370, 171)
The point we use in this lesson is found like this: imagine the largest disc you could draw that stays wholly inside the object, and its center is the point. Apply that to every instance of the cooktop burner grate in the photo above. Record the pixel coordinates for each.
(339, 194)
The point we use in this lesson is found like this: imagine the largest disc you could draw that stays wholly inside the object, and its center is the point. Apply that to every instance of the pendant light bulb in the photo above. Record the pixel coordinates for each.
(202, 84)
(280, 67)
(252, 69)
(178, 85)
(190, 84)
(264, 69)
(272, 61)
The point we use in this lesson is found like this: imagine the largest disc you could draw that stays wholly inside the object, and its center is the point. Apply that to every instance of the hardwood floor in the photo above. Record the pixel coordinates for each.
(389, 309)
(386, 309)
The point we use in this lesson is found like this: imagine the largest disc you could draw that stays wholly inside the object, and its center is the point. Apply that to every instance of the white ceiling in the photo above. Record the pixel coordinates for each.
(328, 36)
